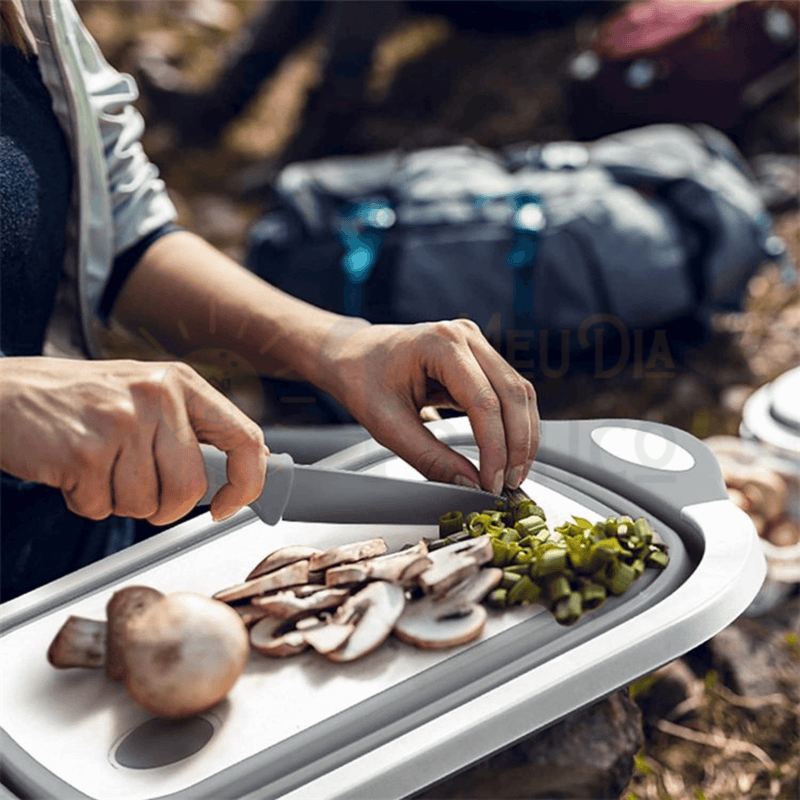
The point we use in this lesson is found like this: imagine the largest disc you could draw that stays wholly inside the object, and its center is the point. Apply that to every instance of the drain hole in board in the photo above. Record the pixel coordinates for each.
(159, 742)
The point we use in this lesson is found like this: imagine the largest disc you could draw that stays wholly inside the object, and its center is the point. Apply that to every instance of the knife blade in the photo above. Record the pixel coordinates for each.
(316, 494)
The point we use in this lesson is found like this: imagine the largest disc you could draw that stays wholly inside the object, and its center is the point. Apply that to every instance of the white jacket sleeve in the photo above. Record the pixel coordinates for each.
(118, 197)
(139, 202)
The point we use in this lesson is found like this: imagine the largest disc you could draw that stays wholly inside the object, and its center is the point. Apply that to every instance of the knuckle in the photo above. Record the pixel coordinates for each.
(148, 390)
(468, 326)
(254, 433)
(139, 501)
(142, 508)
(195, 488)
(88, 504)
(520, 391)
(487, 403)
(191, 487)
(173, 376)
(182, 371)
(454, 330)
(94, 455)
(122, 417)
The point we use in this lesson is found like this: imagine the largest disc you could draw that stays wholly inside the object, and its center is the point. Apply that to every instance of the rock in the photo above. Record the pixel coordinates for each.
(754, 656)
(668, 689)
(588, 755)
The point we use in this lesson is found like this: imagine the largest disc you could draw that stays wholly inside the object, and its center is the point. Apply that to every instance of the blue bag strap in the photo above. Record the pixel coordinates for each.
(361, 230)
(528, 221)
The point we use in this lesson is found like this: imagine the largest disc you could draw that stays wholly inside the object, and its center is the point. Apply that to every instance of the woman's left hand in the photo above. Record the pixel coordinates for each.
(385, 374)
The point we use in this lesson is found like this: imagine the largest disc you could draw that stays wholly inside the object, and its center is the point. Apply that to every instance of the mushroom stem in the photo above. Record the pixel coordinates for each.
(80, 642)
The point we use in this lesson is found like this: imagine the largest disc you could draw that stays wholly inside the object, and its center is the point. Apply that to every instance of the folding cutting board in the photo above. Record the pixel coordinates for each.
(401, 718)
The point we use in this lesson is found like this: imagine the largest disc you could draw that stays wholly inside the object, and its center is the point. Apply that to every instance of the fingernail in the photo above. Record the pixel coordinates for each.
(498, 482)
(224, 515)
(515, 477)
(463, 480)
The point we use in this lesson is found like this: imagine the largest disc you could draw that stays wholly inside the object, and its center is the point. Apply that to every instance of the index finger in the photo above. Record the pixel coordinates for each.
(501, 407)
(520, 412)
(217, 421)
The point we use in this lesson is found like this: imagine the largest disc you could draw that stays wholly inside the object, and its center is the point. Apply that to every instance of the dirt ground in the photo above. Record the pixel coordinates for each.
(435, 83)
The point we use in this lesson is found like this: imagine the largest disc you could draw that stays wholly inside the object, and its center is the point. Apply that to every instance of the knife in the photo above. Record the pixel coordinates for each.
(316, 494)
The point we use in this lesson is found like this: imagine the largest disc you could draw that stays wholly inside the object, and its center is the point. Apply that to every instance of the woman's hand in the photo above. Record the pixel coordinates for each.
(121, 437)
(385, 374)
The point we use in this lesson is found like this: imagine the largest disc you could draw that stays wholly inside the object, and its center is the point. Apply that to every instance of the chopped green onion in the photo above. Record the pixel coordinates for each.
(450, 523)
(657, 558)
(524, 591)
(550, 562)
(557, 588)
(568, 609)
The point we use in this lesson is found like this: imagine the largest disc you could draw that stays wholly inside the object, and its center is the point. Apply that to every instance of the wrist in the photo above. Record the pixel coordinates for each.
(321, 356)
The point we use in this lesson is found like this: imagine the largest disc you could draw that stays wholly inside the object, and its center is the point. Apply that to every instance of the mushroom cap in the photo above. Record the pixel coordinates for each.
(123, 606)
(183, 654)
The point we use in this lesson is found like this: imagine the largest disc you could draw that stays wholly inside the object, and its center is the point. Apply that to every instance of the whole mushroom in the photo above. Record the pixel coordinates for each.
(183, 654)
(177, 654)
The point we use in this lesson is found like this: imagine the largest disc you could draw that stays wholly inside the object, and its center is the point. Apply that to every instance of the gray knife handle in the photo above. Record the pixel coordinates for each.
(277, 487)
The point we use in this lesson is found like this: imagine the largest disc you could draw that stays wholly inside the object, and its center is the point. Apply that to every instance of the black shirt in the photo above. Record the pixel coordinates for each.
(41, 539)
(35, 186)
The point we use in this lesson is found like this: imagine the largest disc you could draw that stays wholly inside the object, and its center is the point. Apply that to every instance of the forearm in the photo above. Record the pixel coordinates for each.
(185, 295)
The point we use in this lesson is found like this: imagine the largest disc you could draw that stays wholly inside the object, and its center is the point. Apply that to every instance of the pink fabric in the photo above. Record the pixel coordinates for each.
(646, 26)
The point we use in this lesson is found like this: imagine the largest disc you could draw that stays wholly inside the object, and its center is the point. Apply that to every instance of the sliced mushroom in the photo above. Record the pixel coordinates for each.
(422, 628)
(307, 589)
(80, 642)
(291, 575)
(347, 553)
(249, 613)
(402, 567)
(436, 622)
(455, 562)
(374, 611)
(276, 639)
(474, 588)
(282, 558)
(287, 605)
(326, 637)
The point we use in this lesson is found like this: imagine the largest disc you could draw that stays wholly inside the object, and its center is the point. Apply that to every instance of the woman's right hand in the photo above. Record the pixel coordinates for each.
(122, 437)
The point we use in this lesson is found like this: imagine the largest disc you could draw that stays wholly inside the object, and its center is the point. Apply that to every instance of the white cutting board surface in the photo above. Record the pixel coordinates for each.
(71, 721)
